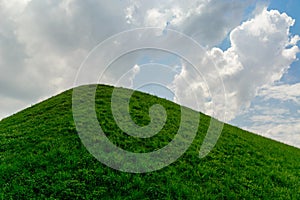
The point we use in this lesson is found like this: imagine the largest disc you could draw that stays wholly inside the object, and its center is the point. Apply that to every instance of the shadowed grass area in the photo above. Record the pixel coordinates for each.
(42, 157)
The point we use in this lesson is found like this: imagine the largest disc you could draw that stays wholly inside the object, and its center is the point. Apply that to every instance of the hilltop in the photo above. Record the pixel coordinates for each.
(43, 157)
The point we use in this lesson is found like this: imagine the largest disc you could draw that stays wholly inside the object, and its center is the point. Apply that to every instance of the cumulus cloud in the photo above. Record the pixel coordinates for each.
(207, 21)
(44, 42)
(261, 51)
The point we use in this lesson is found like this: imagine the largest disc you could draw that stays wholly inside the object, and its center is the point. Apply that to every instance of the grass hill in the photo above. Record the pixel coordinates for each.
(42, 157)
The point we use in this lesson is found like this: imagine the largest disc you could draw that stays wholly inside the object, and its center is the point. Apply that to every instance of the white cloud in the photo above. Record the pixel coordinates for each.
(282, 92)
(261, 51)
(272, 116)
(44, 42)
(190, 89)
(207, 21)
(287, 132)
(127, 79)
(278, 124)
(295, 40)
(279, 121)
(10, 105)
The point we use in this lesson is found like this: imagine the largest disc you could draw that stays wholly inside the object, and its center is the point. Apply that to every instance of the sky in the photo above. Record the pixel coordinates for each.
(253, 45)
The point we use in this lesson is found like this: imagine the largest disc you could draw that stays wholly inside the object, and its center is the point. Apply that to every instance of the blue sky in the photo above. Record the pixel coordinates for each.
(254, 49)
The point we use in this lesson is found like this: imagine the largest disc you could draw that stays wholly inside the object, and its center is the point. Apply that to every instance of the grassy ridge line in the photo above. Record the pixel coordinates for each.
(42, 157)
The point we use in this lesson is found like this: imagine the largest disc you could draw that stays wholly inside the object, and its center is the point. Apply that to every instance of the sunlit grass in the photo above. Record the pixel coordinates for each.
(42, 157)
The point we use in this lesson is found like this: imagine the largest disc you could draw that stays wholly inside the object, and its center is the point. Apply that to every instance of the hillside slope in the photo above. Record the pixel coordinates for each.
(43, 157)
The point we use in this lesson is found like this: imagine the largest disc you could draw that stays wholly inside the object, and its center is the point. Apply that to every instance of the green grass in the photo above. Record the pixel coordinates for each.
(42, 157)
